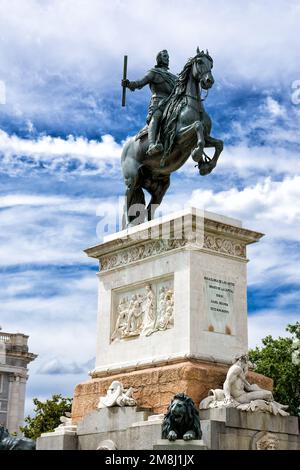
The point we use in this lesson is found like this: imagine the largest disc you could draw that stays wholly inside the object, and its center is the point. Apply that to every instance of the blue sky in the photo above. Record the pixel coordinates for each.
(61, 133)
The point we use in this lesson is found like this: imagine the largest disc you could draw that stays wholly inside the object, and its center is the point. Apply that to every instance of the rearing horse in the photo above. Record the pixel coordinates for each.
(185, 131)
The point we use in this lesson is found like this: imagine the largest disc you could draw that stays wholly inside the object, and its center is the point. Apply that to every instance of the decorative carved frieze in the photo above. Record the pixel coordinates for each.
(136, 253)
(156, 247)
(224, 245)
(143, 311)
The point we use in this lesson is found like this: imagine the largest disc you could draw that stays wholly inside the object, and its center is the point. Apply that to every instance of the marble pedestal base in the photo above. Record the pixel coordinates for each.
(231, 429)
(154, 387)
(132, 428)
(57, 441)
(172, 308)
(180, 444)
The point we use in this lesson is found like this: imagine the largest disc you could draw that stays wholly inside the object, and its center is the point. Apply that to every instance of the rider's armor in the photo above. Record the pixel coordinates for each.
(161, 83)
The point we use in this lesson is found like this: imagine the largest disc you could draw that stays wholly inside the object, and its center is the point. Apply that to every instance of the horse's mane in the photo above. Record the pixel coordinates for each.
(181, 82)
(174, 103)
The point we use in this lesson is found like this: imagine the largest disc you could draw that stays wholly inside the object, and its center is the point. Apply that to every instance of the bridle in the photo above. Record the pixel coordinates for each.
(207, 91)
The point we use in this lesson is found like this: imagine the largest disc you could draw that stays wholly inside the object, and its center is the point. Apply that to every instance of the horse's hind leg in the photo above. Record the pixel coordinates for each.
(157, 189)
(134, 203)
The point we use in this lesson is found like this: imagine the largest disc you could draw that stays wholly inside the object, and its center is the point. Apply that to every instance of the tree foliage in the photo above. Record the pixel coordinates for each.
(47, 416)
(280, 359)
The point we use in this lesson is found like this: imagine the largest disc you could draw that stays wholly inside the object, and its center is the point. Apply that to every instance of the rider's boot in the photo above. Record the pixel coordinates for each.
(154, 147)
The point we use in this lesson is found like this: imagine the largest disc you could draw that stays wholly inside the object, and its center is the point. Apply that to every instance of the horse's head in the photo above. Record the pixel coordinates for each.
(202, 65)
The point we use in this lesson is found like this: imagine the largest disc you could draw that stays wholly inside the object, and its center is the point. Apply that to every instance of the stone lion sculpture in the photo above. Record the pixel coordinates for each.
(181, 420)
(8, 442)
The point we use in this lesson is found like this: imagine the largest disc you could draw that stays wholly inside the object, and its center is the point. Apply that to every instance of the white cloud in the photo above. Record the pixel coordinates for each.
(50, 229)
(57, 147)
(62, 60)
(91, 34)
(55, 153)
(263, 205)
(61, 327)
(57, 367)
(55, 323)
(268, 323)
(274, 108)
(244, 161)
(272, 208)
(79, 156)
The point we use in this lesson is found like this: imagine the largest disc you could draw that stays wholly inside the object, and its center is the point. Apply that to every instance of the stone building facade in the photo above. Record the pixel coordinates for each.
(14, 359)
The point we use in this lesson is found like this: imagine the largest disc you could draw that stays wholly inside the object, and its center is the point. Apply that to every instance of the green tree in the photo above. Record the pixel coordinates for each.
(280, 359)
(47, 415)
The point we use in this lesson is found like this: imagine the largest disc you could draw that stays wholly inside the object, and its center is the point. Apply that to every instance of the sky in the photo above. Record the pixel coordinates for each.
(62, 129)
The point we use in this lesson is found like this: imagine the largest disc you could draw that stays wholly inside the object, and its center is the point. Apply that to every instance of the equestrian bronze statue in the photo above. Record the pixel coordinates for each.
(177, 128)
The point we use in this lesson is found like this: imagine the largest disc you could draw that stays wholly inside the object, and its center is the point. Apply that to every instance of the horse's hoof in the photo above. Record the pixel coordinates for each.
(206, 168)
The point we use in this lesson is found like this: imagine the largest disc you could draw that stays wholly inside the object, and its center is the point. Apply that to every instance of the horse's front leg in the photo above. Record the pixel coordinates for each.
(187, 133)
(197, 153)
(208, 164)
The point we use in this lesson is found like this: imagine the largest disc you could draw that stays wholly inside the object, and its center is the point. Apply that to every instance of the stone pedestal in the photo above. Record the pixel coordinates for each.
(172, 308)
(154, 387)
(130, 428)
(231, 429)
(64, 440)
(179, 444)
(172, 315)
(121, 425)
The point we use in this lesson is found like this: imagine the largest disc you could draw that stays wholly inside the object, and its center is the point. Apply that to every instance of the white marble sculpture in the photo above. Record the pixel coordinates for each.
(238, 393)
(149, 312)
(165, 317)
(141, 314)
(66, 425)
(135, 316)
(107, 444)
(122, 319)
(267, 441)
(117, 396)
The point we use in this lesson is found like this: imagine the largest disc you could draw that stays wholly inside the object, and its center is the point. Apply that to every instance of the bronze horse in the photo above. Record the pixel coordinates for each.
(184, 131)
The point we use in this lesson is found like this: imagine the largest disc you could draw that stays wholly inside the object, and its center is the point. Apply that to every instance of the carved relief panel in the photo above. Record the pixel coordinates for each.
(143, 310)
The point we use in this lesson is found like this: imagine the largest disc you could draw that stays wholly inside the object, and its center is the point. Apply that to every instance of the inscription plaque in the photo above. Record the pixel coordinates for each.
(219, 302)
